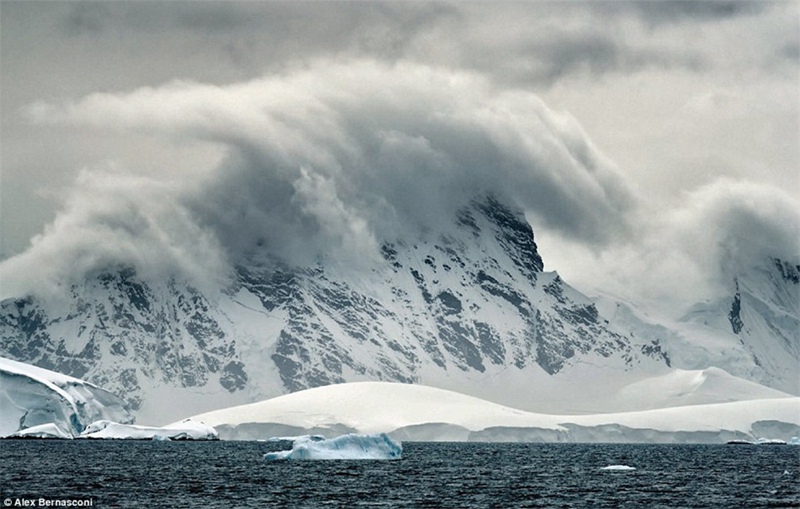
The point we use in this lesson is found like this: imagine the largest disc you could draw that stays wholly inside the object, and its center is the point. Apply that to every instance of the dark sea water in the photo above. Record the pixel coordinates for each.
(234, 474)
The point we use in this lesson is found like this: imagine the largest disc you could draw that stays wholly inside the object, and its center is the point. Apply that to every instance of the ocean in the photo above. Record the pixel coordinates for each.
(144, 474)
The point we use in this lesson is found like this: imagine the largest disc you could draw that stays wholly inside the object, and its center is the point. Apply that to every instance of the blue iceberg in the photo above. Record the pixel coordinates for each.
(345, 447)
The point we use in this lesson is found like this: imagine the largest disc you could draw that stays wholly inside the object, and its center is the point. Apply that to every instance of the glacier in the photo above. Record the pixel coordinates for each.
(345, 447)
(46, 403)
(38, 403)
(418, 413)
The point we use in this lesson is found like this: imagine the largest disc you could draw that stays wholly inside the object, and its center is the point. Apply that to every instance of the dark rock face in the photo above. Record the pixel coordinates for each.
(735, 314)
(788, 271)
(515, 235)
(118, 330)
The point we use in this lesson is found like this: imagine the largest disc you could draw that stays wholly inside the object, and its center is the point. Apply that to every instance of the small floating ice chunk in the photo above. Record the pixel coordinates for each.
(345, 447)
(313, 438)
(794, 441)
(620, 468)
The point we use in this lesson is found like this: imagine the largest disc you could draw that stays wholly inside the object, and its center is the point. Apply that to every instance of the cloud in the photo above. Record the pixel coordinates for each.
(327, 160)
(542, 44)
(676, 11)
(521, 43)
(85, 18)
(598, 54)
(333, 158)
(693, 251)
(113, 219)
(252, 36)
(329, 157)
(729, 224)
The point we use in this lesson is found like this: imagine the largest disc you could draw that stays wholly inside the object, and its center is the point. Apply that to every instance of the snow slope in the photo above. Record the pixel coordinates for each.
(414, 412)
(32, 396)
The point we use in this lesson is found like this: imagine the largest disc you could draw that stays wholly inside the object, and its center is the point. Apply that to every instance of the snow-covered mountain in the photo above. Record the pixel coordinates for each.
(31, 397)
(468, 307)
(752, 333)
(416, 412)
(762, 315)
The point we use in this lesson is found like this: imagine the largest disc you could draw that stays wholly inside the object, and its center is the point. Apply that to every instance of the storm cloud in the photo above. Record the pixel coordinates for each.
(329, 160)
(695, 250)
(181, 137)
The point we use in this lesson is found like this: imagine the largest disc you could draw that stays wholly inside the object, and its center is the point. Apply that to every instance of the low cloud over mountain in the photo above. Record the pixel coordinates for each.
(332, 159)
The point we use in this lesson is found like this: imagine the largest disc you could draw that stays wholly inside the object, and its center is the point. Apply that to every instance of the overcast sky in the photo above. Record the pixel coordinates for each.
(654, 146)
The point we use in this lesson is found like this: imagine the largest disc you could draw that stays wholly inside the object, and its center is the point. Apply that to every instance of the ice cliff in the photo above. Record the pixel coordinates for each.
(32, 397)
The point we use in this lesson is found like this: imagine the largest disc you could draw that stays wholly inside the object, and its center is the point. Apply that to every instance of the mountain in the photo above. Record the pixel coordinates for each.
(420, 413)
(468, 307)
(752, 333)
(762, 318)
(32, 397)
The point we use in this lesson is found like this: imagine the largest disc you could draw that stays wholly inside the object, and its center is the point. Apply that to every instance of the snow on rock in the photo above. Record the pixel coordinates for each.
(345, 447)
(187, 429)
(420, 413)
(31, 397)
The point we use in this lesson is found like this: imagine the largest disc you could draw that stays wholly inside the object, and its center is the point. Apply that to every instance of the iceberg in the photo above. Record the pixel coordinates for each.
(185, 430)
(32, 397)
(618, 468)
(740, 442)
(345, 447)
